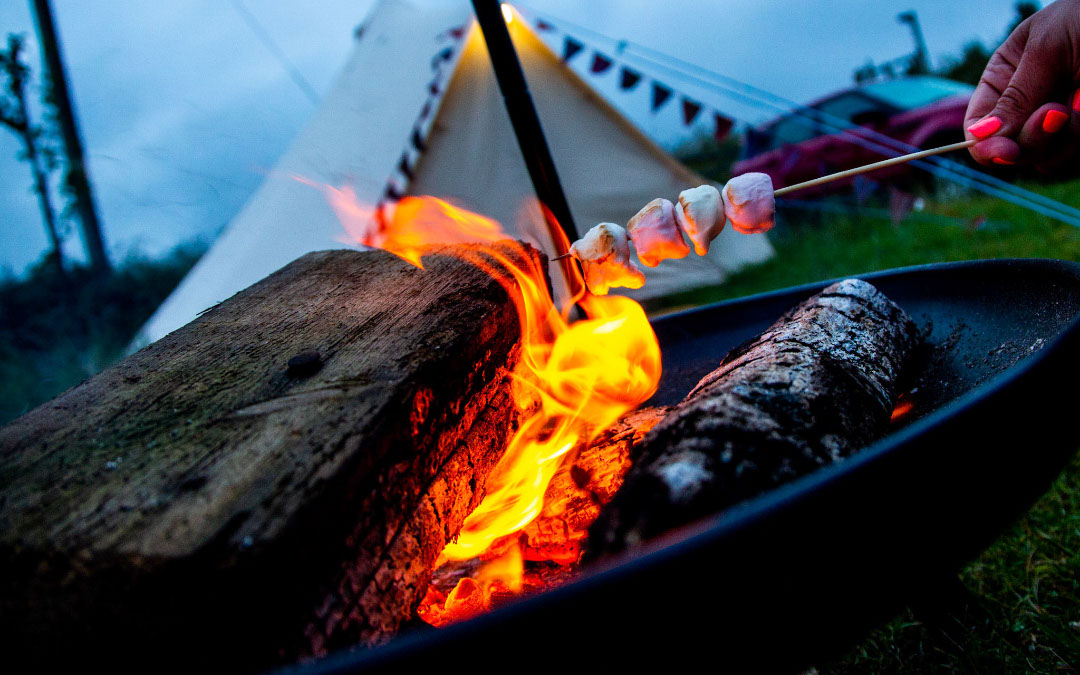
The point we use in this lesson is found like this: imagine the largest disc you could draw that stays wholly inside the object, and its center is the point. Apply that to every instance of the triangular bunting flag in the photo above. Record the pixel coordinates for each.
(690, 110)
(570, 48)
(628, 79)
(723, 126)
(404, 168)
(444, 55)
(416, 141)
(660, 95)
(457, 33)
(544, 25)
(600, 63)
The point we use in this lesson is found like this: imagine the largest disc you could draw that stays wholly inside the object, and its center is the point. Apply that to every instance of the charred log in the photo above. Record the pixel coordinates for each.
(819, 384)
(274, 479)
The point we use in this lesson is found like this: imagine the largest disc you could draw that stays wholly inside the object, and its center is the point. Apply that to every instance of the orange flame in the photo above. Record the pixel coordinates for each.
(572, 382)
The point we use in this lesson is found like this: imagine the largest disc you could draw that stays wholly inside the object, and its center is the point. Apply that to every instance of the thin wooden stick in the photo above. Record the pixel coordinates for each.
(859, 169)
(875, 166)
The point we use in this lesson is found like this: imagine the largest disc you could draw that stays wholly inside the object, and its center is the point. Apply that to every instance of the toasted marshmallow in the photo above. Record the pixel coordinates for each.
(604, 253)
(655, 235)
(700, 215)
(749, 202)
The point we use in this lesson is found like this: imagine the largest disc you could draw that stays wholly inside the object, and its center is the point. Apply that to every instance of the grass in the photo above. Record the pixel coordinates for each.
(1019, 609)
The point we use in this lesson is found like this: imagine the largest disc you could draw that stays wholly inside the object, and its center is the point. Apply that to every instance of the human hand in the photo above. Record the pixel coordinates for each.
(1026, 108)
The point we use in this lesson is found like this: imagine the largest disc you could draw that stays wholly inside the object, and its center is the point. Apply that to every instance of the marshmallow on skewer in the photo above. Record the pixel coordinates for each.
(700, 215)
(749, 202)
(604, 253)
(655, 234)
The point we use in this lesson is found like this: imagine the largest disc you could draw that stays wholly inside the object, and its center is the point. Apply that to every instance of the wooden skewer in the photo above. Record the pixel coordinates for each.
(875, 166)
(859, 169)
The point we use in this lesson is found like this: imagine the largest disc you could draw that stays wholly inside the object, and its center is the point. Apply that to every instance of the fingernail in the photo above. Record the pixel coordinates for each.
(1003, 162)
(1076, 101)
(984, 128)
(1054, 121)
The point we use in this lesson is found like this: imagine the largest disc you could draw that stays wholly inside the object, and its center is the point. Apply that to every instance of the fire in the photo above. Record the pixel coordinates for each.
(573, 380)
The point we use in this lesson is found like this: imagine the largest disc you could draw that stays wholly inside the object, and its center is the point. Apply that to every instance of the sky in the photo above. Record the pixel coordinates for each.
(183, 108)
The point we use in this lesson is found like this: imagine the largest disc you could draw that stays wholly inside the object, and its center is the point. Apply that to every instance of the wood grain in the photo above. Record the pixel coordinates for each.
(205, 500)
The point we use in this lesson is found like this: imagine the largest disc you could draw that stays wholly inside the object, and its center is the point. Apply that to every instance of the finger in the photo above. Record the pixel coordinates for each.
(1042, 130)
(995, 79)
(996, 76)
(1061, 152)
(996, 151)
(1032, 84)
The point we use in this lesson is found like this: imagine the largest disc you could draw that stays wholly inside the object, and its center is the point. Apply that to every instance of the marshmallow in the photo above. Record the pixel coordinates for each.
(655, 235)
(604, 253)
(700, 215)
(749, 203)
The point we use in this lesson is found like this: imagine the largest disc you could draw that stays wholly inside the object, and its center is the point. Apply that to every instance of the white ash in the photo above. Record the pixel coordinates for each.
(749, 203)
(686, 477)
(655, 234)
(700, 215)
(604, 253)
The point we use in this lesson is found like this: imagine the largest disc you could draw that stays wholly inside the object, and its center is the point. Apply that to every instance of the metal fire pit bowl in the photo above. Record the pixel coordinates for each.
(800, 572)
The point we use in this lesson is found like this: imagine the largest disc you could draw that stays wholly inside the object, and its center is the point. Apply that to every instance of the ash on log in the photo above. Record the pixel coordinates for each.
(274, 479)
(819, 384)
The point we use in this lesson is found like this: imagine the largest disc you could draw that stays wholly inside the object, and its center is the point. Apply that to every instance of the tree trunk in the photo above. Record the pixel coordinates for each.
(273, 479)
(819, 384)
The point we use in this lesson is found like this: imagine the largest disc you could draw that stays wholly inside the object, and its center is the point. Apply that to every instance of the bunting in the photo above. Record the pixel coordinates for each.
(690, 110)
(404, 168)
(722, 126)
(660, 95)
(570, 48)
(600, 63)
(628, 78)
(417, 141)
(444, 55)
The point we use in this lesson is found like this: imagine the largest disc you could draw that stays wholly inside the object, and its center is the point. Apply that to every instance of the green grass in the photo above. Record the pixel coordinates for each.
(1021, 608)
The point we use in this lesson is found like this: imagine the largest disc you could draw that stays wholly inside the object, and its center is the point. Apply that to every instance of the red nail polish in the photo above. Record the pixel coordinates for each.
(1076, 101)
(1003, 162)
(1054, 121)
(984, 128)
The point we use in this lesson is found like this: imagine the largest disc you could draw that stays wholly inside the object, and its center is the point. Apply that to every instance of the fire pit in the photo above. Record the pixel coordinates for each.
(797, 573)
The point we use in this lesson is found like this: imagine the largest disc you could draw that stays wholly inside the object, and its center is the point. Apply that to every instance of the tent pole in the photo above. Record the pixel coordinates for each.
(530, 135)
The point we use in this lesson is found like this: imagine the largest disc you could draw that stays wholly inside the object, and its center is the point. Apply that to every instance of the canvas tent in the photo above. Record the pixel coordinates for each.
(417, 110)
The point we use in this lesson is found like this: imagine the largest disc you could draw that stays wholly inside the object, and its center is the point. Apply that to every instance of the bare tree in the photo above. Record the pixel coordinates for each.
(15, 115)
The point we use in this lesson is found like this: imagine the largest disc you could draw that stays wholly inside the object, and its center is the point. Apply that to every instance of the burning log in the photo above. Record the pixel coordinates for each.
(575, 496)
(817, 385)
(274, 479)
(546, 552)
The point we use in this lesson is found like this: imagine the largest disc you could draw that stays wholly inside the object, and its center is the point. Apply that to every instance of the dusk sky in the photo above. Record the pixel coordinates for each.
(183, 108)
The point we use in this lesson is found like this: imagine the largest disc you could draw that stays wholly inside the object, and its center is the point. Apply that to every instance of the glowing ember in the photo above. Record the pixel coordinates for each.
(573, 381)
(903, 407)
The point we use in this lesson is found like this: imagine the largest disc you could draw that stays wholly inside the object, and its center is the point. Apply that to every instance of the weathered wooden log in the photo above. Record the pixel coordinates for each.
(273, 479)
(817, 385)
